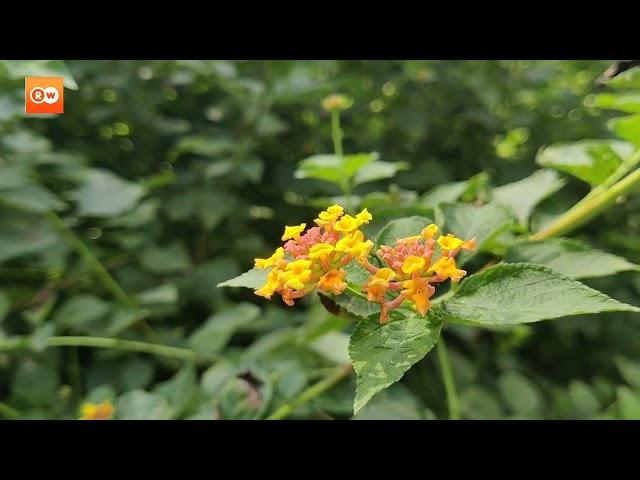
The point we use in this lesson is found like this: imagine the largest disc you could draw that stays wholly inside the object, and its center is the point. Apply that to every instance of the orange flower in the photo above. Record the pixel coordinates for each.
(333, 282)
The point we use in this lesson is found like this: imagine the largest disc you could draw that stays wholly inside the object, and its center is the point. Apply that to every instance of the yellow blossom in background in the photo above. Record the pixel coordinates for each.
(336, 102)
(364, 217)
(93, 411)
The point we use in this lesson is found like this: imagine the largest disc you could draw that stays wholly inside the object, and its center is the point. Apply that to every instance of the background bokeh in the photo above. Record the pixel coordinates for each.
(174, 175)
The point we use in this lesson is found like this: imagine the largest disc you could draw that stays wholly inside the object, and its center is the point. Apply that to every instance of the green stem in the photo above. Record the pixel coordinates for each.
(313, 391)
(449, 383)
(581, 214)
(336, 133)
(9, 412)
(17, 343)
(90, 259)
(625, 167)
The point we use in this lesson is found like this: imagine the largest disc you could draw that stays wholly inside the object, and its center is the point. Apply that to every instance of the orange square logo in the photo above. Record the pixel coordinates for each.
(43, 95)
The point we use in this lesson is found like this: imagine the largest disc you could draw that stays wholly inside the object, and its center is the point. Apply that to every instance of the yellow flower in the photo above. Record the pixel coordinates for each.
(445, 267)
(429, 231)
(321, 251)
(100, 411)
(273, 283)
(364, 217)
(300, 274)
(413, 264)
(354, 245)
(418, 292)
(377, 285)
(346, 224)
(333, 281)
(293, 232)
(329, 215)
(469, 244)
(268, 262)
(450, 242)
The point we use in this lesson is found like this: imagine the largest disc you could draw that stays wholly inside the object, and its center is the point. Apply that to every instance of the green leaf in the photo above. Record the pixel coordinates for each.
(36, 383)
(141, 405)
(628, 404)
(592, 161)
(32, 198)
(333, 168)
(624, 102)
(211, 338)
(166, 294)
(381, 354)
(509, 294)
(627, 128)
(23, 234)
(80, 311)
(107, 195)
(629, 370)
(447, 192)
(520, 394)
(401, 228)
(170, 259)
(478, 403)
(466, 221)
(378, 170)
(180, 389)
(241, 399)
(18, 69)
(394, 403)
(5, 305)
(628, 79)
(522, 196)
(136, 373)
(334, 346)
(358, 306)
(569, 257)
(254, 279)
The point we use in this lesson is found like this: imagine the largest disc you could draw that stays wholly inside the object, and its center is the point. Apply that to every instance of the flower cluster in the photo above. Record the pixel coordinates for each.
(410, 270)
(93, 411)
(315, 259)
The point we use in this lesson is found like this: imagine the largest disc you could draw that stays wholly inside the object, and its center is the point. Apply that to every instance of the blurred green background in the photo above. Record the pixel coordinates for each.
(173, 175)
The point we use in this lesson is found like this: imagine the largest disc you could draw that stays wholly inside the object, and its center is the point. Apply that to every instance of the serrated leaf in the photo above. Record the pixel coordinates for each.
(401, 228)
(509, 294)
(381, 354)
(107, 195)
(592, 161)
(569, 257)
(466, 221)
(627, 128)
(522, 196)
(254, 279)
(377, 171)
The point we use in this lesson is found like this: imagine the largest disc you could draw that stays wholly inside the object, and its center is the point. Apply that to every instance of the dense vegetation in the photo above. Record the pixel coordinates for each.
(163, 179)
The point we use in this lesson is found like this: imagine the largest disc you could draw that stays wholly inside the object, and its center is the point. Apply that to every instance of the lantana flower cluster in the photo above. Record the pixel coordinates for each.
(411, 272)
(315, 260)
